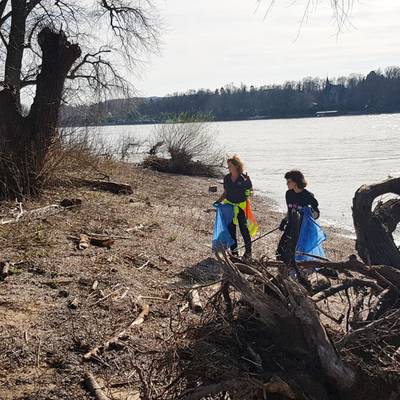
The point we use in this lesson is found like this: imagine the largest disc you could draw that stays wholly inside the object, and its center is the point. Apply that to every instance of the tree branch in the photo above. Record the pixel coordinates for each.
(3, 5)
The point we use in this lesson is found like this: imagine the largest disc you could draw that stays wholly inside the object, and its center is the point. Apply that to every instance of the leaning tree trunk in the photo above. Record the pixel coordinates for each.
(374, 228)
(24, 141)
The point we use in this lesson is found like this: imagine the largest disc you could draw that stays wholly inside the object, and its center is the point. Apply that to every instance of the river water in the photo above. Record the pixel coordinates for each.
(336, 154)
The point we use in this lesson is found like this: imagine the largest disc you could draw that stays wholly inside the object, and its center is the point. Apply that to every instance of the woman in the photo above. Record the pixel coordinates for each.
(297, 198)
(237, 189)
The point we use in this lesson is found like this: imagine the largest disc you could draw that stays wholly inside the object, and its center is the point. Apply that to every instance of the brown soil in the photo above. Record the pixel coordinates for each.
(42, 339)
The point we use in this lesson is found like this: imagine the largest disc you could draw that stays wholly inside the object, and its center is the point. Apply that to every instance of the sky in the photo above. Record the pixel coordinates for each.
(211, 43)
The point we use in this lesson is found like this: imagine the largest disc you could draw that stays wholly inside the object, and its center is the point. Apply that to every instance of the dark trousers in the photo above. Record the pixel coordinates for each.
(286, 250)
(243, 230)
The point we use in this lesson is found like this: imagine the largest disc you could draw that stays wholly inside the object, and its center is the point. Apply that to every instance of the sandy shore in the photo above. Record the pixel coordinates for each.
(162, 235)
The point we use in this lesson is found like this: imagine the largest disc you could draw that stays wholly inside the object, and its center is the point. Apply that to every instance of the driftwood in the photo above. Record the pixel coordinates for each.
(94, 387)
(374, 228)
(383, 274)
(115, 339)
(346, 284)
(107, 186)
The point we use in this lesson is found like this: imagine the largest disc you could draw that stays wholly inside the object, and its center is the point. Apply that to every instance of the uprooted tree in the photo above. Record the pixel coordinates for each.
(38, 60)
(374, 227)
(263, 335)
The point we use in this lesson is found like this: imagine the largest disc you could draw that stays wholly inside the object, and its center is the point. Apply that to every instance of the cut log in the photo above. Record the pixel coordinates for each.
(375, 243)
(194, 301)
(84, 241)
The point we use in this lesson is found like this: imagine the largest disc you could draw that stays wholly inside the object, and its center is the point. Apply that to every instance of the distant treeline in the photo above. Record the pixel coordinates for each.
(378, 92)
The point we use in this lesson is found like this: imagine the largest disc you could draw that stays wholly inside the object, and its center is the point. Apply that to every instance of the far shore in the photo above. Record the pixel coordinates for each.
(260, 118)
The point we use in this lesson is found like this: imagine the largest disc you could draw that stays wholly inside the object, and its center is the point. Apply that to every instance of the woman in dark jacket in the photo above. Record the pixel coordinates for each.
(237, 188)
(297, 197)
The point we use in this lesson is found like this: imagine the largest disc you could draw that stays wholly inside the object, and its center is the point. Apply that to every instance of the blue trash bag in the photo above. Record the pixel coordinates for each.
(222, 239)
(311, 237)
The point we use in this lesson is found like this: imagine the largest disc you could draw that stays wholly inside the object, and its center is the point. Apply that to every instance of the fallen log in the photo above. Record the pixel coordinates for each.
(107, 186)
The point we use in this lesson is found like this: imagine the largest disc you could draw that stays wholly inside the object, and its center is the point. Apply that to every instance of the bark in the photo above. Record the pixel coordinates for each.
(15, 49)
(25, 141)
(374, 228)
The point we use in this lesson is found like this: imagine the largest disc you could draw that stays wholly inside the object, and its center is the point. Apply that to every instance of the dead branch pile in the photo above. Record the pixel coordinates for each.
(264, 336)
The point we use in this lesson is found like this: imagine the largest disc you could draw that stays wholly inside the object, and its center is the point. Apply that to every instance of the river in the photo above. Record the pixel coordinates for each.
(336, 154)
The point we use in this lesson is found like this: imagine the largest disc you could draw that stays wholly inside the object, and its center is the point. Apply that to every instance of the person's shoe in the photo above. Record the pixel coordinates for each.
(246, 256)
(235, 253)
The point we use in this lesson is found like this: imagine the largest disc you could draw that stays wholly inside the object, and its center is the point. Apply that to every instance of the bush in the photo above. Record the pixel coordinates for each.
(76, 152)
(185, 148)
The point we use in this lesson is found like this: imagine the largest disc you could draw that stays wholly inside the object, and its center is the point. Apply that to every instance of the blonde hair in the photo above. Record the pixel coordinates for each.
(237, 162)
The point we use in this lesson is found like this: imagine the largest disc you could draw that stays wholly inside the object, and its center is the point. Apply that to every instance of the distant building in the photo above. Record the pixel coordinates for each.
(328, 113)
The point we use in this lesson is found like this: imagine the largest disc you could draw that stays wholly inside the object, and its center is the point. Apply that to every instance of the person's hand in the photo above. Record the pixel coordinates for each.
(315, 213)
(283, 224)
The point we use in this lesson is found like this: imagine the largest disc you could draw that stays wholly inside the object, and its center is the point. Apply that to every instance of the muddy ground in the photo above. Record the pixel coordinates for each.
(162, 236)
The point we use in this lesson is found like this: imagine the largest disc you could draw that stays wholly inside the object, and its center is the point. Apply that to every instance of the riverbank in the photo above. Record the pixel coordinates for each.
(53, 311)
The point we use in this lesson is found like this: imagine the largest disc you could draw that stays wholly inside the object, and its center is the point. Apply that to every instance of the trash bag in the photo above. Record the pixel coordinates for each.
(252, 225)
(222, 239)
(311, 237)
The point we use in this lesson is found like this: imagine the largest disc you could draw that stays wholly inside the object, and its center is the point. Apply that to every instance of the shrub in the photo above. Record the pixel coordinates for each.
(185, 148)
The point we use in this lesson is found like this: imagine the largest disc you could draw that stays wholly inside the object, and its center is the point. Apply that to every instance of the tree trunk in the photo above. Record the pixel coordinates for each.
(15, 50)
(375, 243)
(25, 141)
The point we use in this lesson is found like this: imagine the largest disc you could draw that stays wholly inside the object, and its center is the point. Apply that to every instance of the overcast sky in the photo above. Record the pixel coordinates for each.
(210, 43)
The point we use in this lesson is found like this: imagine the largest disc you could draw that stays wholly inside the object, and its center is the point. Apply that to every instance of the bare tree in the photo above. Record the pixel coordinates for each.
(37, 57)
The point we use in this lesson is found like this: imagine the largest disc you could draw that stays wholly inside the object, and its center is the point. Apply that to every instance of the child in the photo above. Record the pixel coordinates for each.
(297, 199)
